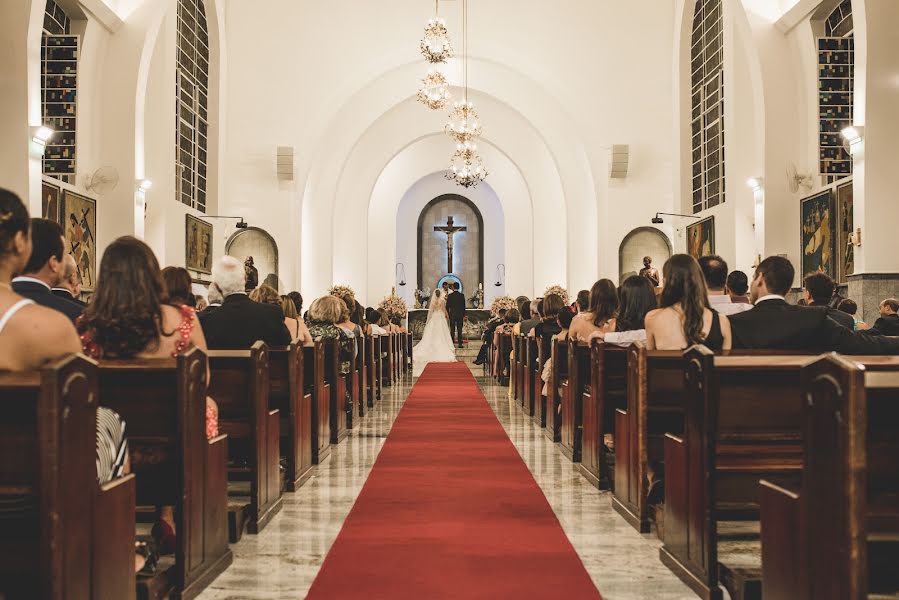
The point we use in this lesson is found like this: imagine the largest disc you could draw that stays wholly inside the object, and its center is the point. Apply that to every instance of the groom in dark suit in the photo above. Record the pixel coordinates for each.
(455, 308)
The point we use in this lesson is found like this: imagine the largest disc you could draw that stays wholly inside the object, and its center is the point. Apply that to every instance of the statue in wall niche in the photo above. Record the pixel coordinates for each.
(650, 272)
(252, 274)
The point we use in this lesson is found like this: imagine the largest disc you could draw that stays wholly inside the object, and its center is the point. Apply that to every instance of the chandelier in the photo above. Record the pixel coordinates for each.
(466, 167)
(434, 90)
(436, 46)
(464, 124)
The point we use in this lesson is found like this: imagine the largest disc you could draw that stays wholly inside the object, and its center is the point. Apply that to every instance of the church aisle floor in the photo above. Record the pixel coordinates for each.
(285, 558)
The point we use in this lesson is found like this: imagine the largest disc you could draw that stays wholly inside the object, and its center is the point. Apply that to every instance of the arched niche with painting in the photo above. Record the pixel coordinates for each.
(257, 243)
(642, 241)
(468, 245)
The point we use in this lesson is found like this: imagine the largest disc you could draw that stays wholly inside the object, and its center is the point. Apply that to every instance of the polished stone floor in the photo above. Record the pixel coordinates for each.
(283, 560)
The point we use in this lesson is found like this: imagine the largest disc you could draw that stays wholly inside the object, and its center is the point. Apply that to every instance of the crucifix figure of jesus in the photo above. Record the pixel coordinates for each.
(450, 230)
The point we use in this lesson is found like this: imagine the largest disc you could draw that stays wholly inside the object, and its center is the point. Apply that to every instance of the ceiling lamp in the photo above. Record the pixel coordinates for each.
(434, 90)
(464, 123)
(466, 167)
(436, 46)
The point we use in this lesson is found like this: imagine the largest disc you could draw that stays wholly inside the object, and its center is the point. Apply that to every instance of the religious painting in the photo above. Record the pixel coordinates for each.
(701, 238)
(198, 245)
(79, 220)
(817, 234)
(50, 202)
(845, 248)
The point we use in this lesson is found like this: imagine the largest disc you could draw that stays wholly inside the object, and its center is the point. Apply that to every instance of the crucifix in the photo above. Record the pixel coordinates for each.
(449, 229)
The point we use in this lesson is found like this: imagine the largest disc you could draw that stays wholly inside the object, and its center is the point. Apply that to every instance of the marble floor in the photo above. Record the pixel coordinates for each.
(283, 560)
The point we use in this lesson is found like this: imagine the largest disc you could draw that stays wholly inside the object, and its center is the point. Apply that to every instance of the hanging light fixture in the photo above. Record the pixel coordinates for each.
(436, 46)
(434, 91)
(466, 166)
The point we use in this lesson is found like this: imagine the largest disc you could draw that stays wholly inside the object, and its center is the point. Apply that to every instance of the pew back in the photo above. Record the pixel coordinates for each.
(287, 394)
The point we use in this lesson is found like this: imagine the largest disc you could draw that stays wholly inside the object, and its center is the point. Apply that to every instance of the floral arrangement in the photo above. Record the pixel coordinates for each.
(342, 291)
(477, 301)
(393, 305)
(558, 290)
(501, 302)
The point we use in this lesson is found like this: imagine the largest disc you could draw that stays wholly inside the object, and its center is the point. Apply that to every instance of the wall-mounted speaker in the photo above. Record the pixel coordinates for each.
(618, 161)
(284, 163)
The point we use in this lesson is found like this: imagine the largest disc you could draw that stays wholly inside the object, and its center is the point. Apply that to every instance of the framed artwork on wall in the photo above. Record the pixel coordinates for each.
(50, 202)
(816, 232)
(845, 227)
(79, 220)
(198, 245)
(701, 238)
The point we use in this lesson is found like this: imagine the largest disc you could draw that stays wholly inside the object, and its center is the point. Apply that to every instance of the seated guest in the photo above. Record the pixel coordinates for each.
(69, 286)
(290, 312)
(45, 269)
(549, 320)
(819, 289)
(564, 319)
(738, 287)
(178, 286)
(297, 301)
(213, 297)
(239, 322)
(396, 325)
(714, 271)
(323, 318)
(888, 323)
(535, 311)
(487, 335)
(848, 306)
(685, 317)
(128, 317)
(600, 316)
(266, 294)
(509, 321)
(774, 324)
(374, 318)
(636, 298)
(202, 304)
(582, 304)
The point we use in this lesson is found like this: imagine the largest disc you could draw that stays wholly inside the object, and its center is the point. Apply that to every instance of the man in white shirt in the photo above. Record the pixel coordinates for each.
(714, 270)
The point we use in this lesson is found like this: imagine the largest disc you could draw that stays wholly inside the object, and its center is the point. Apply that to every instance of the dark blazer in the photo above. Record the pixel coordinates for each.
(239, 322)
(42, 295)
(776, 325)
(64, 293)
(455, 306)
(527, 325)
(844, 319)
(888, 325)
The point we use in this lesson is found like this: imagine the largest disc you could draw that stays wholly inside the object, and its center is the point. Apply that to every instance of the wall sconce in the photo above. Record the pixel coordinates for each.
(42, 134)
(855, 238)
(755, 183)
(855, 137)
(144, 185)
(500, 275)
(657, 220)
(400, 272)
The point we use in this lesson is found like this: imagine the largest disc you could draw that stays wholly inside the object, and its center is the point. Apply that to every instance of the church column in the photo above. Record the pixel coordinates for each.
(20, 99)
(875, 179)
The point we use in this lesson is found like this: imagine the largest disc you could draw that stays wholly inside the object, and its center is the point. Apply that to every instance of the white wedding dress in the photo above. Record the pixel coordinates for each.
(436, 343)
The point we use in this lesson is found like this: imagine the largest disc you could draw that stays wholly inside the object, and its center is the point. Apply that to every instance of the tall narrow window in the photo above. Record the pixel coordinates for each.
(59, 77)
(192, 102)
(836, 69)
(707, 105)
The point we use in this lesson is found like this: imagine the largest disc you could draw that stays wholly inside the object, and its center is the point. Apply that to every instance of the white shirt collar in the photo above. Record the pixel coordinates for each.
(770, 297)
(725, 299)
(23, 279)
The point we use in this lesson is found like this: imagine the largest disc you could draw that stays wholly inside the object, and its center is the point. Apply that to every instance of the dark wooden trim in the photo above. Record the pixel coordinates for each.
(477, 212)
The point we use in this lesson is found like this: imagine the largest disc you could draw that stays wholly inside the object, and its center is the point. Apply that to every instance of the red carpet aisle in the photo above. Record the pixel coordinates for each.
(451, 511)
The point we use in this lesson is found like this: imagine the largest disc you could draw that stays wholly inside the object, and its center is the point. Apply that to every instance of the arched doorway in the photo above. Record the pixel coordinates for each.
(642, 241)
(467, 245)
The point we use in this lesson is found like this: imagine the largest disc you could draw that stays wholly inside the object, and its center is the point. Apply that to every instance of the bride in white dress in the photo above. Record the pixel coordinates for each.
(436, 343)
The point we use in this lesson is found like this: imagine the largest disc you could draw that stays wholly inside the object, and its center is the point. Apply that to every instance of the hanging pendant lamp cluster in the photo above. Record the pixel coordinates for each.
(464, 126)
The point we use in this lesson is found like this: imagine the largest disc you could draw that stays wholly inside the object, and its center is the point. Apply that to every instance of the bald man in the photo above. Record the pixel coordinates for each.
(70, 285)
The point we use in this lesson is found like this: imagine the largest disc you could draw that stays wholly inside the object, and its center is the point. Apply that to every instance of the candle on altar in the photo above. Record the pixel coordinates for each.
(480, 286)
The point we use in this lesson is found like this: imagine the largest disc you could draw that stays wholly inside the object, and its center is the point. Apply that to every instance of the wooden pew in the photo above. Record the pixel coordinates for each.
(351, 380)
(559, 379)
(287, 394)
(63, 535)
(163, 403)
(367, 398)
(579, 388)
(335, 388)
(544, 353)
(505, 366)
(532, 385)
(320, 390)
(515, 368)
(376, 370)
(397, 355)
(653, 394)
(410, 344)
(839, 538)
(387, 346)
(239, 383)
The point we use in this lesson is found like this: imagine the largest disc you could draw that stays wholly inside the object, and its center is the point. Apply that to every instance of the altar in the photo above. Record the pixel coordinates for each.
(475, 322)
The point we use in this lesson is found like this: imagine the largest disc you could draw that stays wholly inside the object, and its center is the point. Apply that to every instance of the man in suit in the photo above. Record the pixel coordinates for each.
(487, 336)
(536, 311)
(70, 285)
(239, 322)
(819, 290)
(774, 324)
(45, 269)
(714, 271)
(455, 308)
(888, 323)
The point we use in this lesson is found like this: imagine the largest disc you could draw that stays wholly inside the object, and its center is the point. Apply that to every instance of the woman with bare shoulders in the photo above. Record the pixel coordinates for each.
(685, 317)
(600, 315)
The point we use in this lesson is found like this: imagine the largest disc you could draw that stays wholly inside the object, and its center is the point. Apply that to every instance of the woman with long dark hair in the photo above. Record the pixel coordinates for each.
(600, 316)
(178, 287)
(684, 317)
(636, 298)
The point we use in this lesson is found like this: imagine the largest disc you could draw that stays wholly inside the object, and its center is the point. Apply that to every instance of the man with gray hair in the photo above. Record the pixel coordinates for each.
(69, 286)
(239, 322)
